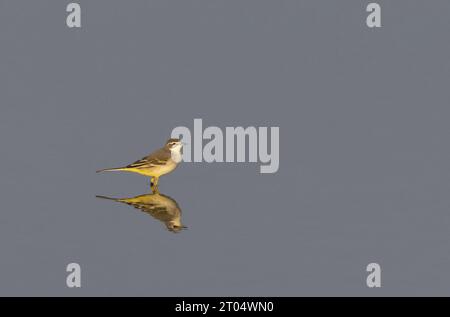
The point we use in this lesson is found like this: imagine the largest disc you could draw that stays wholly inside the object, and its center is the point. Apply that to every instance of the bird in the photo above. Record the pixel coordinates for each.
(159, 206)
(156, 164)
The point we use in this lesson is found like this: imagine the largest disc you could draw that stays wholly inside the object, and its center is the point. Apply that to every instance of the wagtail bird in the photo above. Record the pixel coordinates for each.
(160, 207)
(158, 163)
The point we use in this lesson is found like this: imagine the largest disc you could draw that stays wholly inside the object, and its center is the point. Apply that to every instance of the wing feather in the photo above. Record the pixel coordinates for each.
(158, 158)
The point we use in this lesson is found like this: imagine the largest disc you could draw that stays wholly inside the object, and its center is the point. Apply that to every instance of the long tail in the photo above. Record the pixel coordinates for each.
(112, 169)
(121, 200)
(104, 197)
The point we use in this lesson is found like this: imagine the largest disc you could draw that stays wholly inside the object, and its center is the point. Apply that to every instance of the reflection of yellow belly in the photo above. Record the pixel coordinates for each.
(156, 170)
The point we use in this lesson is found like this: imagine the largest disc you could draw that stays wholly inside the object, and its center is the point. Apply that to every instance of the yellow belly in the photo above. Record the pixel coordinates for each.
(156, 171)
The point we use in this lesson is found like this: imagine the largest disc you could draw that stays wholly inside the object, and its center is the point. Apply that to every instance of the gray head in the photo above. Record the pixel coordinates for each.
(173, 144)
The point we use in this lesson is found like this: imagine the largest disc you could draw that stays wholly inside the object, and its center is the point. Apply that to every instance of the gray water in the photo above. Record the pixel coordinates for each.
(364, 156)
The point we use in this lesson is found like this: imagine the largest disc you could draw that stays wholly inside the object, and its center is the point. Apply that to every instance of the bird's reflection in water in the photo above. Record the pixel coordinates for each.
(159, 206)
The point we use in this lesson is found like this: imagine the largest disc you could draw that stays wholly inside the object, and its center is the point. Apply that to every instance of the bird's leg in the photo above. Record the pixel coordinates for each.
(155, 182)
(151, 182)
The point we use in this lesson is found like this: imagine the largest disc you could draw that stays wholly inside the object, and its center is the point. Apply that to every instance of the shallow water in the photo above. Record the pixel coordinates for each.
(363, 117)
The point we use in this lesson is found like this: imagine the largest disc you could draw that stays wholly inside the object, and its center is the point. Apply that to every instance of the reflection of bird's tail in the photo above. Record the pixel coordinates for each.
(112, 169)
(109, 198)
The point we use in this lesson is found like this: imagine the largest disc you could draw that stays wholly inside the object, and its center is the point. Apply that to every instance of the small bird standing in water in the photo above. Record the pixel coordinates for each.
(156, 164)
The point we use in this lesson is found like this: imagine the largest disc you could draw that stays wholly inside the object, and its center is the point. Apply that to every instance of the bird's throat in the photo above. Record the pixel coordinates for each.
(176, 155)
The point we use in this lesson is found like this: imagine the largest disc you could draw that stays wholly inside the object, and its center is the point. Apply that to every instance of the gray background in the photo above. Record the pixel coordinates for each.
(364, 157)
